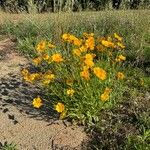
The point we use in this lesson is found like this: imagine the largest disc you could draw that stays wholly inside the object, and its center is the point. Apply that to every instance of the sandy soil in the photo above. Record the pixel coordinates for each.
(29, 128)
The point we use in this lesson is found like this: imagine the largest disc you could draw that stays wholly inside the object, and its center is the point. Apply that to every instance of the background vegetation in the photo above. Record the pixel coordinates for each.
(29, 6)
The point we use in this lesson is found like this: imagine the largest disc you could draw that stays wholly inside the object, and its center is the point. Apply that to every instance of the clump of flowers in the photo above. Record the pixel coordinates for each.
(85, 74)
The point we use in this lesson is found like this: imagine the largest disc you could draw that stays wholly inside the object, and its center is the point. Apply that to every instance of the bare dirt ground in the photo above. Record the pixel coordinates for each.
(20, 123)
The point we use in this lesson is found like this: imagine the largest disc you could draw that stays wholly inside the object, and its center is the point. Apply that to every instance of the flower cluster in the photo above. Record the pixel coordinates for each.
(81, 74)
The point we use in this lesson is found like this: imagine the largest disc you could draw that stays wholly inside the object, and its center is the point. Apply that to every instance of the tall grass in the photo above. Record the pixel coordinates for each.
(132, 25)
(16, 6)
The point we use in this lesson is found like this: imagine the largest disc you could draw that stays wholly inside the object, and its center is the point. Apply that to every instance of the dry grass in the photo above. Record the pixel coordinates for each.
(132, 15)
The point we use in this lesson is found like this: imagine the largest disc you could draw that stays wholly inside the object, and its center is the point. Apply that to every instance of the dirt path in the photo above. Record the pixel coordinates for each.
(20, 123)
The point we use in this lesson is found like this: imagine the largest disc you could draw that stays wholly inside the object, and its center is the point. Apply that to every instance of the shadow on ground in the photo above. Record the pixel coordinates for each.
(13, 91)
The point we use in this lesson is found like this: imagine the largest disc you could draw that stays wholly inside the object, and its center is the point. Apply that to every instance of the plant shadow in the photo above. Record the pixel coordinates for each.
(15, 92)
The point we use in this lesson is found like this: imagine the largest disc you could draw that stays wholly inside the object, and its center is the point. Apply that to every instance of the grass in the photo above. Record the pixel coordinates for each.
(126, 125)
(132, 25)
(8, 146)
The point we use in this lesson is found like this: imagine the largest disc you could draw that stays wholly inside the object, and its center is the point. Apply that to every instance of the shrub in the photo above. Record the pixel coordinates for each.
(85, 75)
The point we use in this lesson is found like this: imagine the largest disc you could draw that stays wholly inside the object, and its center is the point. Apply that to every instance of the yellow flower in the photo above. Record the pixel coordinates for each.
(88, 60)
(31, 77)
(63, 114)
(60, 107)
(72, 39)
(88, 34)
(108, 44)
(41, 46)
(85, 74)
(120, 58)
(77, 42)
(120, 45)
(37, 60)
(117, 37)
(89, 56)
(120, 76)
(90, 43)
(50, 45)
(37, 102)
(28, 78)
(100, 73)
(25, 72)
(83, 48)
(76, 52)
(105, 95)
(70, 92)
(89, 63)
(65, 36)
(46, 57)
(57, 58)
(48, 77)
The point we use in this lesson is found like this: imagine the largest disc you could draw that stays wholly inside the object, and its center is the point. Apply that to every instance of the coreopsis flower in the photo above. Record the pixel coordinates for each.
(83, 48)
(85, 34)
(85, 74)
(37, 102)
(25, 72)
(100, 73)
(37, 60)
(63, 114)
(120, 58)
(57, 58)
(47, 78)
(120, 76)
(31, 77)
(65, 36)
(108, 44)
(89, 63)
(41, 46)
(72, 39)
(70, 92)
(77, 42)
(120, 45)
(89, 56)
(90, 43)
(117, 37)
(77, 52)
(60, 107)
(88, 60)
(105, 95)
(46, 57)
(50, 45)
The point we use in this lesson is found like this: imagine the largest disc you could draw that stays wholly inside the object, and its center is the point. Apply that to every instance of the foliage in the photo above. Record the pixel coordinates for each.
(85, 74)
(32, 6)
